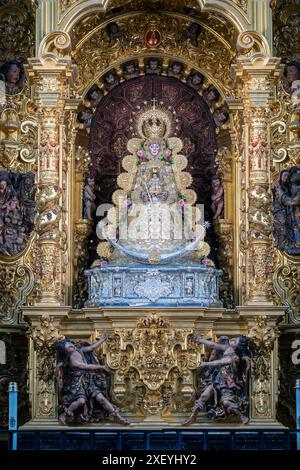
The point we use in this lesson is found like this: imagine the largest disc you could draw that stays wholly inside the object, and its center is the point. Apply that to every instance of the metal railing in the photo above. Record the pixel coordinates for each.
(162, 440)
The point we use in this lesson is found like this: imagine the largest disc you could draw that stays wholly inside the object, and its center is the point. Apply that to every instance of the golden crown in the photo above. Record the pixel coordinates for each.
(153, 128)
(154, 122)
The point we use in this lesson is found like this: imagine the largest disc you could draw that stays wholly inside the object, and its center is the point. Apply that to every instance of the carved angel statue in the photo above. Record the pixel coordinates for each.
(154, 219)
(226, 379)
(217, 197)
(82, 384)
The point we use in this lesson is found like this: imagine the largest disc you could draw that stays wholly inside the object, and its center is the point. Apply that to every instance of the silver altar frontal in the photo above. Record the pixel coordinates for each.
(153, 285)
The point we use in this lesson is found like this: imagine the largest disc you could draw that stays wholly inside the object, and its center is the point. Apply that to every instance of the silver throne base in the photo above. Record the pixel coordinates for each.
(153, 285)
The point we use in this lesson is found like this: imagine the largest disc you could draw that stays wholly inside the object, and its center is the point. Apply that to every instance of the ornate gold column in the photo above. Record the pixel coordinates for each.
(51, 76)
(257, 74)
(263, 334)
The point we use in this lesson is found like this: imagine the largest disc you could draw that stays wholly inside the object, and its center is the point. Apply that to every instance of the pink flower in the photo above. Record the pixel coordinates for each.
(168, 153)
(181, 203)
(204, 261)
(103, 263)
(140, 153)
(127, 204)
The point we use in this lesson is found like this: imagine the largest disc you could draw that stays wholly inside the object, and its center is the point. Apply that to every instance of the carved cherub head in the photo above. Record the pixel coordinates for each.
(196, 79)
(85, 117)
(220, 117)
(175, 69)
(153, 66)
(94, 95)
(110, 80)
(211, 95)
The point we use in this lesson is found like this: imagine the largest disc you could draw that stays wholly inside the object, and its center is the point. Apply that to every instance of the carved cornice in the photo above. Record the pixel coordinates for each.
(257, 74)
(51, 76)
(235, 11)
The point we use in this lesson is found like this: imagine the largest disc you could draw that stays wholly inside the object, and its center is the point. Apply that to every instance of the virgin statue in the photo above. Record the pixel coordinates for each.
(154, 253)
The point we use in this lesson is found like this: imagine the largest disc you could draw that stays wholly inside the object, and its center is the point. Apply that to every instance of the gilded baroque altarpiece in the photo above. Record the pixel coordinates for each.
(40, 133)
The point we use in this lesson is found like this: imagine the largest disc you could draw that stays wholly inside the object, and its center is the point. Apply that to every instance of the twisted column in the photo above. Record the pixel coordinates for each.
(257, 78)
(50, 80)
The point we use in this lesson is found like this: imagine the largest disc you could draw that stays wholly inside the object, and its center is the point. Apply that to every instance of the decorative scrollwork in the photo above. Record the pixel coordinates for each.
(289, 282)
(279, 152)
(15, 284)
(243, 4)
(57, 43)
(28, 152)
(253, 43)
(45, 335)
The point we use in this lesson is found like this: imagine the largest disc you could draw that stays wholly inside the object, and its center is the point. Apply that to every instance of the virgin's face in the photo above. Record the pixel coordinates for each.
(13, 74)
(154, 149)
(292, 74)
